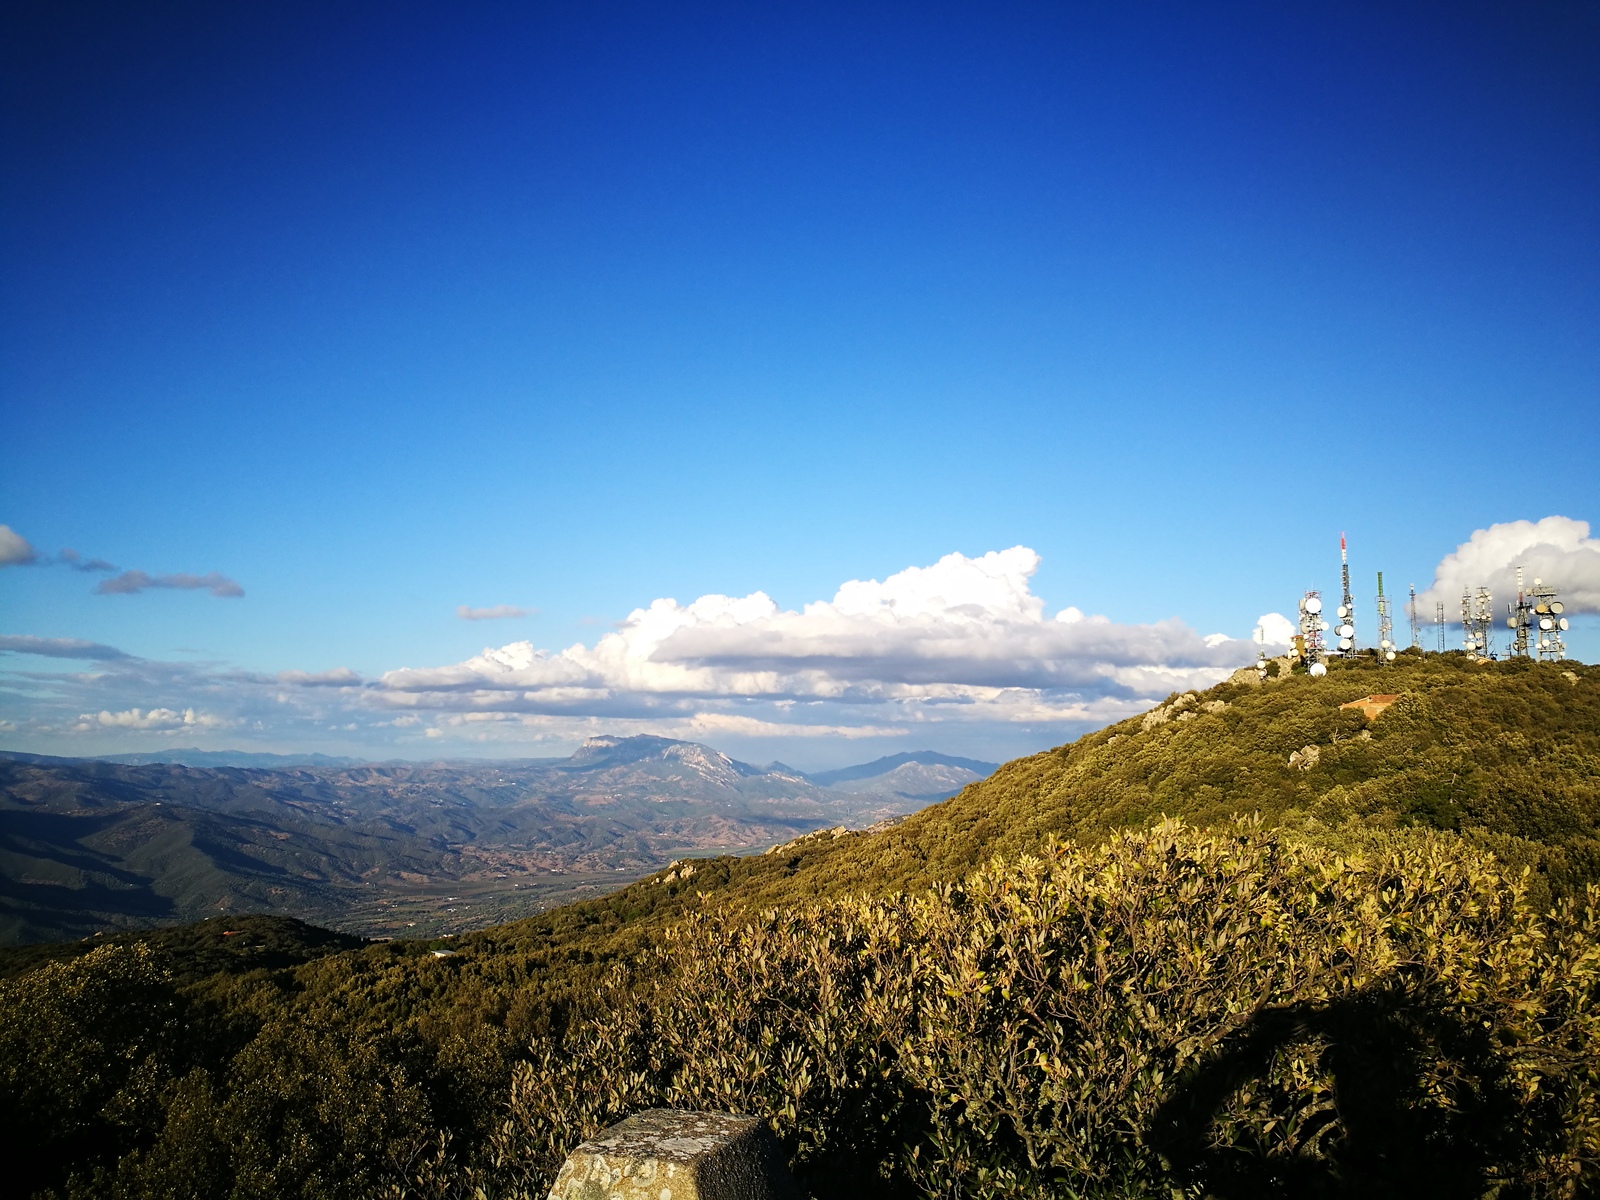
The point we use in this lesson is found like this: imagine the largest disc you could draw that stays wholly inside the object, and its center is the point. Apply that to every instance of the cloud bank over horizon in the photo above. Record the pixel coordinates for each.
(963, 643)
(961, 651)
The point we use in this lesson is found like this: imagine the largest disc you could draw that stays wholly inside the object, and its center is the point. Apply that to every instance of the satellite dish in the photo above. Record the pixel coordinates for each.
(1318, 670)
(1557, 607)
(1563, 623)
(1313, 604)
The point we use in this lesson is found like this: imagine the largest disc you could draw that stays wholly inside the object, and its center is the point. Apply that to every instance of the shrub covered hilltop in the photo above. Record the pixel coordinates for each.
(1252, 944)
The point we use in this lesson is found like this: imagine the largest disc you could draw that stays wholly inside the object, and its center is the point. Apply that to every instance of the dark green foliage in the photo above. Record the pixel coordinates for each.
(219, 945)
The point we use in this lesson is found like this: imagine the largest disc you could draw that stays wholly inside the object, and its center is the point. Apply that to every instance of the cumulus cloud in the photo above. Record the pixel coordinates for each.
(58, 648)
(131, 582)
(1274, 629)
(1558, 550)
(962, 634)
(15, 550)
(498, 612)
(160, 720)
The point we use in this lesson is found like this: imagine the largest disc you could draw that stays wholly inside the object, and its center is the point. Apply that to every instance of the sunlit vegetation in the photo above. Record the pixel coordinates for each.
(1374, 975)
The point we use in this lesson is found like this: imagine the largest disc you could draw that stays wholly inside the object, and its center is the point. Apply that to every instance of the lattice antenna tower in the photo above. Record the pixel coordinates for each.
(1308, 642)
(1347, 608)
(1477, 619)
(1438, 624)
(1262, 661)
(1547, 609)
(1385, 625)
(1520, 620)
(1416, 621)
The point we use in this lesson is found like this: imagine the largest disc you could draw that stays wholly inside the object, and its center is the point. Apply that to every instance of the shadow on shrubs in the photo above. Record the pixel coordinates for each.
(1380, 1129)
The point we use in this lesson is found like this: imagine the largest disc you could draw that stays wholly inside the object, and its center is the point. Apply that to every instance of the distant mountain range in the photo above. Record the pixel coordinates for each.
(95, 844)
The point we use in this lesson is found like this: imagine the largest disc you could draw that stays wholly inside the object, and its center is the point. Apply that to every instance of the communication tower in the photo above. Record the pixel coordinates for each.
(1477, 620)
(1385, 625)
(1547, 609)
(1520, 620)
(1438, 623)
(1262, 661)
(1416, 621)
(1347, 608)
(1308, 645)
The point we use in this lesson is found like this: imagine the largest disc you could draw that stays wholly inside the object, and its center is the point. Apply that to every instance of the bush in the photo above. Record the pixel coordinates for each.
(1223, 1013)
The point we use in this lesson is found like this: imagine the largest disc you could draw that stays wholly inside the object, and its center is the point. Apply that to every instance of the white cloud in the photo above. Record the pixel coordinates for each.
(1273, 629)
(497, 612)
(952, 638)
(1558, 550)
(15, 551)
(163, 720)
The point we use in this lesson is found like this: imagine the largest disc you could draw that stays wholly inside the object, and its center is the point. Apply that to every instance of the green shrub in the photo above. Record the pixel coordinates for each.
(86, 1048)
(1172, 1010)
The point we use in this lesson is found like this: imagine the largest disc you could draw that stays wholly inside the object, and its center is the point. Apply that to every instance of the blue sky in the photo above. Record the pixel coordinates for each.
(383, 310)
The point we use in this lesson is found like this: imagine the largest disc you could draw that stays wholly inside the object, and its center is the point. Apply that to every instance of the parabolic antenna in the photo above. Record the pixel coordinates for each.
(1314, 604)
(1546, 623)
(1541, 608)
(1344, 643)
(1318, 670)
(1511, 622)
(1557, 607)
(1343, 611)
(1323, 625)
(1390, 656)
(1347, 631)
(1563, 623)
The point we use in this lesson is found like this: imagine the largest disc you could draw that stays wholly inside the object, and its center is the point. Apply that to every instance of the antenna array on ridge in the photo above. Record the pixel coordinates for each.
(1347, 608)
(1535, 619)
(1520, 620)
(1385, 625)
(1308, 646)
(1547, 609)
(1477, 619)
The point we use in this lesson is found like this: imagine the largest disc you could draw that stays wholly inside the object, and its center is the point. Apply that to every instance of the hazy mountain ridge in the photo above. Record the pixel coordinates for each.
(88, 844)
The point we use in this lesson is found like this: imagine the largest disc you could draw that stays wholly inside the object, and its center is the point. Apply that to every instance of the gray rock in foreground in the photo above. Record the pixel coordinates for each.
(673, 1154)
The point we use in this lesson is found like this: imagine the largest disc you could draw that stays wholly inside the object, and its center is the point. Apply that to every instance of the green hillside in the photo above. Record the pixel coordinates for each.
(1036, 987)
